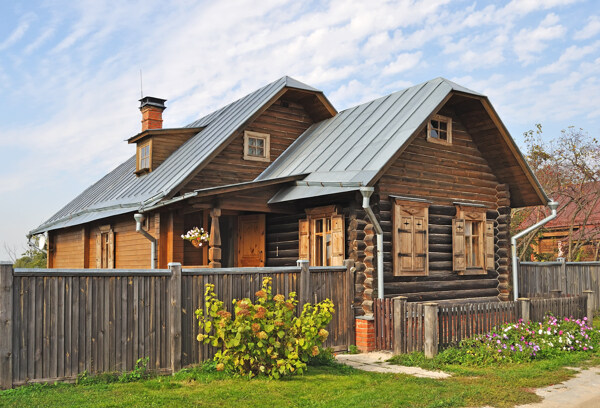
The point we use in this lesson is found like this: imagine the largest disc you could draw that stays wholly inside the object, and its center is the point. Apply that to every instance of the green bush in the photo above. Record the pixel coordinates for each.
(266, 337)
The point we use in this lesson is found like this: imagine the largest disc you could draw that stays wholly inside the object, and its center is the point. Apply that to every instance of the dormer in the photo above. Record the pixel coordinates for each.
(154, 144)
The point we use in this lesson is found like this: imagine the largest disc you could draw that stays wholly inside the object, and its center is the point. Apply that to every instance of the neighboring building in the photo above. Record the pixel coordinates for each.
(577, 226)
(276, 176)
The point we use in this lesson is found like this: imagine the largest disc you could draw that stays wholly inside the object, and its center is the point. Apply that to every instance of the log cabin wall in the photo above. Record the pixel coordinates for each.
(444, 174)
(165, 144)
(284, 121)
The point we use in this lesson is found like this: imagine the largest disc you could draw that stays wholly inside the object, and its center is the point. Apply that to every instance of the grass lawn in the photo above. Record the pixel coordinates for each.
(325, 386)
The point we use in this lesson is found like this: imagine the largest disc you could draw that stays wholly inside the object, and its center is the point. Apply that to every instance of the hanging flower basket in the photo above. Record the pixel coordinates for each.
(197, 236)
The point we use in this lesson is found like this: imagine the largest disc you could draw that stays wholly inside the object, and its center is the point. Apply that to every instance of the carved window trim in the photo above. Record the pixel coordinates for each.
(105, 248)
(473, 248)
(434, 127)
(313, 240)
(250, 150)
(411, 237)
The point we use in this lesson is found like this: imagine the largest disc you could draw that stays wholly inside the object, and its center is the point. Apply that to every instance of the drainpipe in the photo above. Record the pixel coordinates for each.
(139, 218)
(366, 193)
(553, 205)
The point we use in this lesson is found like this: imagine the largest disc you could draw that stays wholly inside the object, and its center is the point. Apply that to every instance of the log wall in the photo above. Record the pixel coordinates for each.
(284, 121)
(443, 174)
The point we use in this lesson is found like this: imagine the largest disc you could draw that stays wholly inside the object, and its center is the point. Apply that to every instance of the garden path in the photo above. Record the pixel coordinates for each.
(376, 361)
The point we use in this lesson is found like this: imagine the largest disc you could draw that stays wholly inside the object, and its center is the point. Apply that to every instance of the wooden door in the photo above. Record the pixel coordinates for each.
(251, 240)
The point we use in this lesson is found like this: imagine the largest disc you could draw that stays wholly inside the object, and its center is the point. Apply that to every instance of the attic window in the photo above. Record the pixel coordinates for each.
(439, 129)
(257, 146)
(144, 156)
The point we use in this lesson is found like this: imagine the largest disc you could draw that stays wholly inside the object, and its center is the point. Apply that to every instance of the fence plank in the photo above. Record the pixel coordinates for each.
(6, 325)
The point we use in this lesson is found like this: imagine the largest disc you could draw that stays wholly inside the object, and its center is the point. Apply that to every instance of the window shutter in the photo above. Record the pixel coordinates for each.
(111, 250)
(420, 244)
(458, 245)
(337, 240)
(303, 240)
(99, 250)
(411, 239)
(489, 245)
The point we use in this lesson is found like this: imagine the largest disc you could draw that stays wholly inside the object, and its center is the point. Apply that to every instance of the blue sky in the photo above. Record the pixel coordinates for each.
(70, 72)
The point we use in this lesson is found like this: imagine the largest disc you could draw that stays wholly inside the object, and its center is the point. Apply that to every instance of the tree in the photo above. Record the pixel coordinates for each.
(32, 257)
(568, 167)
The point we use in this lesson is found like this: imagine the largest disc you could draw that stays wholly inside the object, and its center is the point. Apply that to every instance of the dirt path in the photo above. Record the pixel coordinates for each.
(582, 391)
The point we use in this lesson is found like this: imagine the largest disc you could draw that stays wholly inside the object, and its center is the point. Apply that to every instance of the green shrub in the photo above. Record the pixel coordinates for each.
(140, 371)
(266, 337)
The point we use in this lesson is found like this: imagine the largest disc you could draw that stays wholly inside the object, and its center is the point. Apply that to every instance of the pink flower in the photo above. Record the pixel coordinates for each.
(560, 332)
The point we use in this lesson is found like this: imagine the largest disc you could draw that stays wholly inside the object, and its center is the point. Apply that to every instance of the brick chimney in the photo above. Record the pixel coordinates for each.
(152, 109)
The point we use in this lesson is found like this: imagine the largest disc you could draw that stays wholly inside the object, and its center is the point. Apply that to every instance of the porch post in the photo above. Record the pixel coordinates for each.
(214, 252)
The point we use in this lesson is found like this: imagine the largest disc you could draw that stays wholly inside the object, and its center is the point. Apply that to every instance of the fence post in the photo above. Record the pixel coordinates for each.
(399, 304)
(431, 327)
(349, 300)
(304, 282)
(6, 325)
(589, 294)
(562, 278)
(525, 304)
(174, 305)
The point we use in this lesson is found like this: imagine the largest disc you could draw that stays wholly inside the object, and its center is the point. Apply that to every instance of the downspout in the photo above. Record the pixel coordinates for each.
(553, 205)
(139, 218)
(366, 193)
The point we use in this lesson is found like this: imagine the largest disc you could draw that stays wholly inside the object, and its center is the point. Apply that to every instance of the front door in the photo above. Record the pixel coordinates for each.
(251, 240)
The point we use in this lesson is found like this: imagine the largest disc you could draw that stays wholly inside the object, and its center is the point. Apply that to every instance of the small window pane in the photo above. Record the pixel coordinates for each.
(260, 142)
(319, 226)
(443, 135)
(434, 134)
(443, 125)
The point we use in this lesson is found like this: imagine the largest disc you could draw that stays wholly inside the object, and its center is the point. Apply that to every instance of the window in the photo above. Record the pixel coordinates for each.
(472, 241)
(144, 157)
(256, 146)
(321, 237)
(105, 248)
(411, 238)
(439, 129)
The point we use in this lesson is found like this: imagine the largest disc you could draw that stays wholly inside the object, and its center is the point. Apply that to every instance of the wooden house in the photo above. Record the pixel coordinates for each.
(575, 233)
(280, 175)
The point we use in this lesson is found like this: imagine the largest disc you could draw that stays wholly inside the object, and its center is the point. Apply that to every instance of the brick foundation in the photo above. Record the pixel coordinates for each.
(365, 334)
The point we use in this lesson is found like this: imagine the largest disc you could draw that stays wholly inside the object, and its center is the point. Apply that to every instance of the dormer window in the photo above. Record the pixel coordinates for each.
(257, 146)
(144, 156)
(439, 129)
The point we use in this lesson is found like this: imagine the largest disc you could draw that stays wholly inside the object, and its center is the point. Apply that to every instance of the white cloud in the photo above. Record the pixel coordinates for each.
(18, 32)
(528, 43)
(591, 29)
(403, 62)
(570, 55)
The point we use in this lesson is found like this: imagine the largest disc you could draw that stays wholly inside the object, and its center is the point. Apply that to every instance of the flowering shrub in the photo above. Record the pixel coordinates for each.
(266, 337)
(522, 342)
(197, 236)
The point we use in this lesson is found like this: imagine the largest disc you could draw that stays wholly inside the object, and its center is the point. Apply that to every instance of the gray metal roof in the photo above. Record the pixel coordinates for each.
(120, 190)
(354, 145)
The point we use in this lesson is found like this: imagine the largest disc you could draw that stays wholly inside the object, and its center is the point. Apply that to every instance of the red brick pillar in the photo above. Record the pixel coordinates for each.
(365, 333)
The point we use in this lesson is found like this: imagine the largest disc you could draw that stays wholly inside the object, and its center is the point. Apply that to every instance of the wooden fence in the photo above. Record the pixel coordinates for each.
(543, 278)
(57, 323)
(403, 326)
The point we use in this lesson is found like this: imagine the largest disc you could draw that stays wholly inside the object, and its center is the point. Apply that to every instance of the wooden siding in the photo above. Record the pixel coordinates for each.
(283, 123)
(165, 144)
(68, 248)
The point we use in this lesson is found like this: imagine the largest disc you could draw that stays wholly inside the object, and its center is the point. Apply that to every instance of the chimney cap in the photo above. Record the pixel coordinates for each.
(152, 101)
